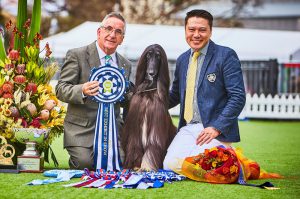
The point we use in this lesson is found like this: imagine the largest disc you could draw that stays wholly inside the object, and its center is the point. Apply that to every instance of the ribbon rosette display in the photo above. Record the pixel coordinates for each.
(112, 84)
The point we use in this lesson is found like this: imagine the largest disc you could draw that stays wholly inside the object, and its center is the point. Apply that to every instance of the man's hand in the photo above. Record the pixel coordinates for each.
(207, 135)
(90, 88)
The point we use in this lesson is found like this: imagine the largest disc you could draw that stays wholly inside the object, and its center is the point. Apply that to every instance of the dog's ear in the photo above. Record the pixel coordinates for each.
(141, 68)
(163, 76)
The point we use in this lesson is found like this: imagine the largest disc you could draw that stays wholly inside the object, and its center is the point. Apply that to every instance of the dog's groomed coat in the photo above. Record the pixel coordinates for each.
(148, 128)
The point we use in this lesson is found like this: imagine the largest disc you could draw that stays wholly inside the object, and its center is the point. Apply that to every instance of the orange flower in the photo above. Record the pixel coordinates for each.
(220, 154)
(233, 169)
(7, 112)
(224, 157)
(225, 170)
(206, 152)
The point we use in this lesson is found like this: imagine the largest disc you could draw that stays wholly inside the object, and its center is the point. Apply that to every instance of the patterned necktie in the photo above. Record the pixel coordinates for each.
(107, 59)
(190, 88)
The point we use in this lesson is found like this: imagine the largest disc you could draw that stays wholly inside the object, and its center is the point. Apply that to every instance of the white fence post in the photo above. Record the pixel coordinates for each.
(277, 107)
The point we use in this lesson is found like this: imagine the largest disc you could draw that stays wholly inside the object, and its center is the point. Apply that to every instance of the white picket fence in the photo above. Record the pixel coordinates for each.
(277, 107)
(266, 107)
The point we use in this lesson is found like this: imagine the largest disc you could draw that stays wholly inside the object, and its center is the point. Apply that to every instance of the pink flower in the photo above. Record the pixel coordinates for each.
(35, 123)
(20, 69)
(19, 79)
(7, 67)
(31, 87)
(14, 55)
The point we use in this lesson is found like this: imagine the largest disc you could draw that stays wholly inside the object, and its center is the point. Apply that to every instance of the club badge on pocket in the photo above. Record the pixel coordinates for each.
(211, 77)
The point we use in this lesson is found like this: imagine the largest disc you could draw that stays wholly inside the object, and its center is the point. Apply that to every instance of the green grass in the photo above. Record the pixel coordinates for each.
(275, 145)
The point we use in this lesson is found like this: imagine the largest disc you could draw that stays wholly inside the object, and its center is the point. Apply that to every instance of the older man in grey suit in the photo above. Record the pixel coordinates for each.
(74, 88)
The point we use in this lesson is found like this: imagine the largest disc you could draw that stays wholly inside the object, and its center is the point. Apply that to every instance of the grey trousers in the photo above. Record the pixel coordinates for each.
(83, 157)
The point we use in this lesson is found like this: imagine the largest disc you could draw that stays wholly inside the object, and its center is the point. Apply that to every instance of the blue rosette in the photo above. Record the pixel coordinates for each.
(112, 87)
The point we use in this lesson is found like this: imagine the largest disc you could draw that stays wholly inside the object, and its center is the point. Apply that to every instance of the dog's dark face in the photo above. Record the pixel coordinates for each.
(153, 59)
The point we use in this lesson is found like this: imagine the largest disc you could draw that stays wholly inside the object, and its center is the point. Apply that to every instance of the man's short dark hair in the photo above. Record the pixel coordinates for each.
(199, 13)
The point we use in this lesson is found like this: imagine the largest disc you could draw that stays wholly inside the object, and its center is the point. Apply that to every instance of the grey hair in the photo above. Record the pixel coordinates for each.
(115, 15)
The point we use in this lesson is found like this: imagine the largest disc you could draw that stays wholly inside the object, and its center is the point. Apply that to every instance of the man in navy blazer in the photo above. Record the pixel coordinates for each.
(219, 93)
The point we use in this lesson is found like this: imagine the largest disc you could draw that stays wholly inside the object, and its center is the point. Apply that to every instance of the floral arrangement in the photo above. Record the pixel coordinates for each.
(215, 165)
(27, 99)
(221, 165)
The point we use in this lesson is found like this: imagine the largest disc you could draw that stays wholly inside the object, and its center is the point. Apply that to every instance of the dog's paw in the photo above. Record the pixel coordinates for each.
(140, 170)
(145, 169)
(136, 169)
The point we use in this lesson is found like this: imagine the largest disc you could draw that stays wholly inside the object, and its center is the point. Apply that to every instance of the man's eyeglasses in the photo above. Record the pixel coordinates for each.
(109, 30)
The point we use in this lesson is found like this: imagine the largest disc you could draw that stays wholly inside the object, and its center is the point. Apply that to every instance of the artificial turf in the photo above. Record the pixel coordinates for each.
(273, 144)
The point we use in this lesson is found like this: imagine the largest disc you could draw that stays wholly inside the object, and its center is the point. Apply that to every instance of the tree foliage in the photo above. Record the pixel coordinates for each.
(154, 12)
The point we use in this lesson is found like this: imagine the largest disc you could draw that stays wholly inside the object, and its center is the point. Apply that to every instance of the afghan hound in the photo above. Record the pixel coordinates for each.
(148, 129)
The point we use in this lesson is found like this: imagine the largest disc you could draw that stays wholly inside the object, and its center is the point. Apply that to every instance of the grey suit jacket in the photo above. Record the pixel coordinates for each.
(79, 124)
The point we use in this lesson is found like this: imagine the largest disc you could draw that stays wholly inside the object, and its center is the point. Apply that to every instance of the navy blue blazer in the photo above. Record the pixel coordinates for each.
(221, 93)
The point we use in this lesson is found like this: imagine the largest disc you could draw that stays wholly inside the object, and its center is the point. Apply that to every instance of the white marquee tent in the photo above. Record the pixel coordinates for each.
(250, 44)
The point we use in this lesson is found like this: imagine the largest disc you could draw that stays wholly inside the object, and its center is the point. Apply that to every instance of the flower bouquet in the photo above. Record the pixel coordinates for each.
(26, 98)
(221, 165)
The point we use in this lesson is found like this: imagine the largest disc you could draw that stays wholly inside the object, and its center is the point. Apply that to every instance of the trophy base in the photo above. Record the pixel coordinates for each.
(31, 164)
(8, 169)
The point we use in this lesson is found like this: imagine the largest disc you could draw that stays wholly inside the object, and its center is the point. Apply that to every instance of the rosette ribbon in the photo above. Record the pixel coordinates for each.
(126, 179)
(112, 85)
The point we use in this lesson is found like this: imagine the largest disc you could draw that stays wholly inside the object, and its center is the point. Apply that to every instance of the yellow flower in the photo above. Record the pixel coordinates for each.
(54, 113)
(233, 169)
(43, 98)
(213, 149)
(43, 126)
(8, 102)
(1, 100)
(9, 135)
(48, 88)
(7, 112)
(41, 88)
(58, 122)
(10, 121)
(63, 109)
(214, 164)
(50, 124)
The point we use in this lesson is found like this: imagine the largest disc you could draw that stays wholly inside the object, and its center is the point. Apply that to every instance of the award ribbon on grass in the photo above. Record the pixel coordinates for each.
(112, 85)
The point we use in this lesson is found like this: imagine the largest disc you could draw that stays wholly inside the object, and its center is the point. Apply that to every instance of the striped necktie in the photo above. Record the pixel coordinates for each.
(190, 88)
(107, 59)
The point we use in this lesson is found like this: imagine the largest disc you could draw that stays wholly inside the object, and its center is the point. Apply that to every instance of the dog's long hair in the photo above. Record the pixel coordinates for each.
(148, 128)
